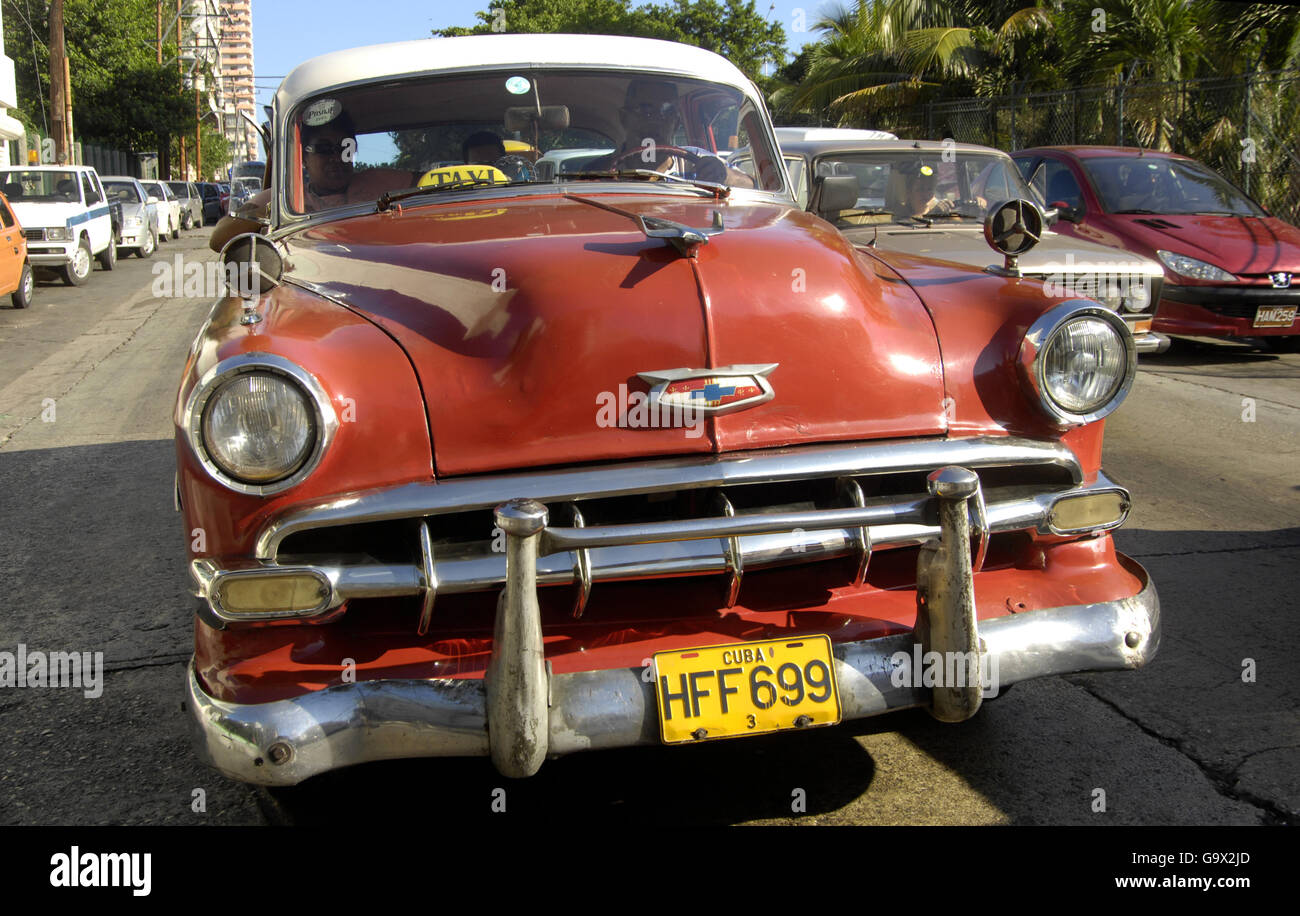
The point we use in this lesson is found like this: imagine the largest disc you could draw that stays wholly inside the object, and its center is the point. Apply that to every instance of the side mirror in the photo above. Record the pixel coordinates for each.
(833, 193)
(1065, 211)
(258, 263)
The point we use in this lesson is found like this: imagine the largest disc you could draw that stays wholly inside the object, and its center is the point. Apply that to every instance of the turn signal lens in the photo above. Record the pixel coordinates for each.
(262, 593)
(1088, 512)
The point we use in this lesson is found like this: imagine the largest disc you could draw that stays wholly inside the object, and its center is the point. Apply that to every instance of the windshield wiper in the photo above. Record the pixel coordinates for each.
(1137, 210)
(388, 198)
(718, 190)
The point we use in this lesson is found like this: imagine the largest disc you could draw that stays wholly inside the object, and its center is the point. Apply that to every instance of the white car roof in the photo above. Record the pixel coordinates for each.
(814, 134)
(482, 52)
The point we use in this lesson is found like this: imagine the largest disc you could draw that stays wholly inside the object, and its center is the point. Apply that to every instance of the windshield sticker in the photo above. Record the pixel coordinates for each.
(322, 112)
(517, 85)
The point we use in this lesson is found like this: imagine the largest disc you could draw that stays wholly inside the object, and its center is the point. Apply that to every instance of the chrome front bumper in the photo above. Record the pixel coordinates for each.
(285, 742)
(1151, 342)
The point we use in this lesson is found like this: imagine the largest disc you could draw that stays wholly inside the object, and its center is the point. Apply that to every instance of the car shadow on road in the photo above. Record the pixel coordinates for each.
(723, 782)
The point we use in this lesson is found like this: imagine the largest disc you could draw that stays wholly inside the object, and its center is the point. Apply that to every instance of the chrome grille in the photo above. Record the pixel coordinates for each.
(717, 515)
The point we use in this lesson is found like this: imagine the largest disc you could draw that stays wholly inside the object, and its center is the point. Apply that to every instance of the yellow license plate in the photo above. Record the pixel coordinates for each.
(746, 689)
(1275, 316)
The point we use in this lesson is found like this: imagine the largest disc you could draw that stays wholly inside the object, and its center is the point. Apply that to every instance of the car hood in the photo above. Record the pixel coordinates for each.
(36, 215)
(1242, 245)
(1054, 253)
(526, 317)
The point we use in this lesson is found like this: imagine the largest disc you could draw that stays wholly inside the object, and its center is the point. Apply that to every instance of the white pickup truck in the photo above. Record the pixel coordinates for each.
(66, 218)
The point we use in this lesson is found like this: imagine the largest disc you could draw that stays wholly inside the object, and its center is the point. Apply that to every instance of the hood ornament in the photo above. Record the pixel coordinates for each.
(711, 391)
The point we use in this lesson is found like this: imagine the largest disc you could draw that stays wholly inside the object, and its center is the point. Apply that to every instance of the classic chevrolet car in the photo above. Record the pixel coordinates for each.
(963, 180)
(643, 452)
(1230, 264)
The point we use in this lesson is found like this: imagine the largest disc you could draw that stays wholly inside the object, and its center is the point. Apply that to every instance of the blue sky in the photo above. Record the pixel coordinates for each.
(287, 32)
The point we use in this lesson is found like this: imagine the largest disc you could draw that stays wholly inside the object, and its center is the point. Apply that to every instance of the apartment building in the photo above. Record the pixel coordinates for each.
(237, 72)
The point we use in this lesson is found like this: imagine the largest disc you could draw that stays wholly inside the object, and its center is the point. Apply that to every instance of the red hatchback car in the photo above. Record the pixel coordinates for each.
(1228, 264)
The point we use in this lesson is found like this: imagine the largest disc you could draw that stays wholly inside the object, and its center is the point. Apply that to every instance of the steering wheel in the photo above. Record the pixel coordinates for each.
(516, 168)
(698, 162)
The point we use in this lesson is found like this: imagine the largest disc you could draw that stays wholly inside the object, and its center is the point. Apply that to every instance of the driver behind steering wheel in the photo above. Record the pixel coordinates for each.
(650, 112)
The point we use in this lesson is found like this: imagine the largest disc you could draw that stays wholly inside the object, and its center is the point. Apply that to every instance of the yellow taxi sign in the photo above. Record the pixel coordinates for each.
(451, 173)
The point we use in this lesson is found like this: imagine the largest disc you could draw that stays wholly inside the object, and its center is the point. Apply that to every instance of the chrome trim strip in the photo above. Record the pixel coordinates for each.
(429, 580)
(581, 563)
(661, 476)
(851, 490)
(380, 720)
(731, 549)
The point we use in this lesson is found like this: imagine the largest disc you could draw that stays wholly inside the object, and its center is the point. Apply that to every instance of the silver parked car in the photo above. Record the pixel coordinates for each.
(187, 192)
(169, 208)
(139, 214)
(930, 198)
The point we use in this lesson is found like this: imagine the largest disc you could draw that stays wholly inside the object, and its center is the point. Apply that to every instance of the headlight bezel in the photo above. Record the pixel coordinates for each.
(58, 234)
(215, 379)
(1036, 341)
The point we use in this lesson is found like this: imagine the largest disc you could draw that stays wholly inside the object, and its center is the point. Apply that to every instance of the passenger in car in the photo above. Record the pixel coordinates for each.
(482, 148)
(329, 151)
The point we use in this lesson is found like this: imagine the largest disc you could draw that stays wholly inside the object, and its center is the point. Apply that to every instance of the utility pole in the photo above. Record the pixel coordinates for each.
(180, 68)
(60, 97)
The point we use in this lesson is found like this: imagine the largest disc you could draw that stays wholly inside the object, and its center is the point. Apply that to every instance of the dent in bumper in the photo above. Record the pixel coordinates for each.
(288, 741)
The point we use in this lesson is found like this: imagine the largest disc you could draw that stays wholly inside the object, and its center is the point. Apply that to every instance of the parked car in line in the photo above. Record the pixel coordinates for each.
(639, 454)
(191, 203)
(169, 208)
(66, 217)
(16, 278)
(139, 233)
(1231, 269)
(964, 181)
(241, 189)
(213, 201)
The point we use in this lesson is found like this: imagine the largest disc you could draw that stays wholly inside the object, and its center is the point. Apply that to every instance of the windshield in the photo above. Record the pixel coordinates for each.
(251, 169)
(39, 186)
(124, 191)
(154, 189)
(906, 185)
(179, 188)
(1154, 184)
(516, 126)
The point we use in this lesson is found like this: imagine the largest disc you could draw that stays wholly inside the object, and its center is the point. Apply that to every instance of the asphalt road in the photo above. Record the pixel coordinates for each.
(91, 558)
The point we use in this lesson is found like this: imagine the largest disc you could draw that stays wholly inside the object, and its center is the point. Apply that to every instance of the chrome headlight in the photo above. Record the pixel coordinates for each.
(57, 234)
(259, 423)
(1190, 267)
(1137, 297)
(1079, 361)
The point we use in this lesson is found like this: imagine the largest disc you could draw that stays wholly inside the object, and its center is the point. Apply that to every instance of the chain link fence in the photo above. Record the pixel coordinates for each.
(1245, 127)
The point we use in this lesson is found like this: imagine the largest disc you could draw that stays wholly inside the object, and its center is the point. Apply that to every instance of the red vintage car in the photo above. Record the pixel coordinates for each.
(519, 462)
(1228, 263)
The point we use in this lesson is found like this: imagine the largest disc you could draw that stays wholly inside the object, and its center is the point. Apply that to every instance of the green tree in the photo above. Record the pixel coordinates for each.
(732, 28)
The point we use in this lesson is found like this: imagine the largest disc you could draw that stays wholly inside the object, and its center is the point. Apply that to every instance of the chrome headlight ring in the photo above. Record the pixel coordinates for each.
(1036, 341)
(325, 418)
